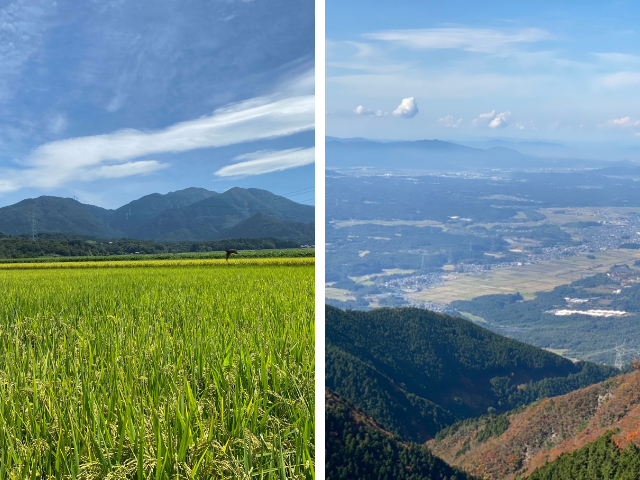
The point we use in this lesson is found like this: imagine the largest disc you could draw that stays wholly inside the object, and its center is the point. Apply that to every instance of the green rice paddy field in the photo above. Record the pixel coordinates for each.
(159, 372)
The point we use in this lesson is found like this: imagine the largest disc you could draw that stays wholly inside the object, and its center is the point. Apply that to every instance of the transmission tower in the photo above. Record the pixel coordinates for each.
(620, 350)
(624, 354)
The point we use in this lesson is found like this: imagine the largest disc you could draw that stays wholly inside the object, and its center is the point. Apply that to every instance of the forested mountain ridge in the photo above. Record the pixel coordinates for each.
(264, 226)
(416, 372)
(357, 448)
(542, 432)
(192, 214)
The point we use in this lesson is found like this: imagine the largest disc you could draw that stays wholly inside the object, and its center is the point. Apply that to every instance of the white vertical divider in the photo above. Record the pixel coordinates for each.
(320, 224)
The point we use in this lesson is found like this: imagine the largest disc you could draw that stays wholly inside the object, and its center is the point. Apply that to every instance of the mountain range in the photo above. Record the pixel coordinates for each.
(192, 214)
(438, 155)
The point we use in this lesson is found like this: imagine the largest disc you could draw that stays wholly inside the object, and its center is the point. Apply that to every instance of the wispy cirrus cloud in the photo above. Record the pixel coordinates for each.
(620, 79)
(22, 27)
(478, 40)
(614, 57)
(110, 155)
(268, 161)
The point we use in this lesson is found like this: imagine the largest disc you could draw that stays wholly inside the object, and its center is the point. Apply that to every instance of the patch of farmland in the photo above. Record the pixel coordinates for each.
(526, 279)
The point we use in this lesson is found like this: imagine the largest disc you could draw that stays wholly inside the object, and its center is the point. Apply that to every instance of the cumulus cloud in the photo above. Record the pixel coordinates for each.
(449, 121)
(408, 108)
(492, 119)
(360, 110)
(500, 120)
(56, 163)
(468, 39)
(265, 161)
(624, 122)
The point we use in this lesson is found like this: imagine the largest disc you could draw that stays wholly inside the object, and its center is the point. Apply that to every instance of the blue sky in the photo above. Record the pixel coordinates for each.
(460, 70)
(111, 100)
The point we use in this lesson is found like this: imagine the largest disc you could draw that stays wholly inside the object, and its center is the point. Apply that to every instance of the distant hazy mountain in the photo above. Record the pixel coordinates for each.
(189, 214)
(532, 148)
(422, 154)
(438, 155)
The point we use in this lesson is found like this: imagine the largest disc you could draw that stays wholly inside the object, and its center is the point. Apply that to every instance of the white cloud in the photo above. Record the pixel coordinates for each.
(360, 110)
(268, 161)
(408, 108)
(364, 49)
(300, 82)
(467, 39)
(126, 169)
(501, 120)
(56, 163)
(487, 116)
(492, 119)
(620, 79)
(624, 122)
(449, 121)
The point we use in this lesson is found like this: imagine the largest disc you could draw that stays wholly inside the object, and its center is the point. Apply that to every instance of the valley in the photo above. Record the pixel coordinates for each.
(435, 238)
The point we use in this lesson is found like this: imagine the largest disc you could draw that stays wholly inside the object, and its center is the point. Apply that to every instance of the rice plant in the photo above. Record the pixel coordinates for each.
(174, 372)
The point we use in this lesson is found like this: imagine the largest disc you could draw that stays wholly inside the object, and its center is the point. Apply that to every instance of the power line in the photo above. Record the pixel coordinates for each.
(301, 193)
(297, 192)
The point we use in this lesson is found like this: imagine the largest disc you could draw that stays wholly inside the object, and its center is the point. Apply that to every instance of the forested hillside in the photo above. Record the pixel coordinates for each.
(600, 459)
(358, 449)
(68, 245)
(416, 372)
(591, 433)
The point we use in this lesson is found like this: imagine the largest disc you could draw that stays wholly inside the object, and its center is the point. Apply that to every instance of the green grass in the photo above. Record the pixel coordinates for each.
(267, 253)
(159, 373)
